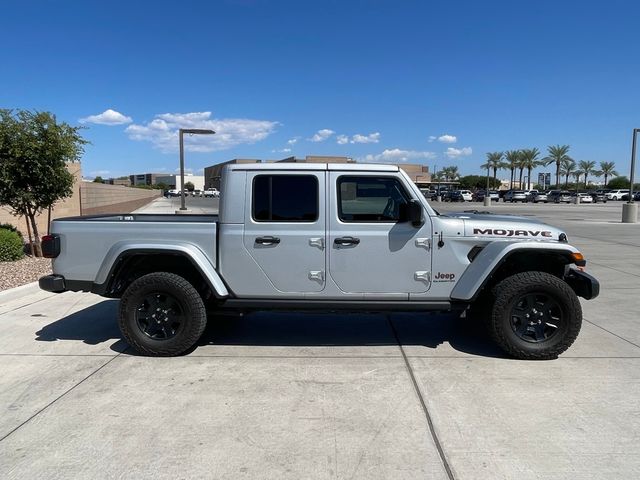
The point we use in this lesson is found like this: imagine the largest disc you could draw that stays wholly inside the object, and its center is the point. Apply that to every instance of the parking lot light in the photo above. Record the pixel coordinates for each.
(630, 209)
(190, 131)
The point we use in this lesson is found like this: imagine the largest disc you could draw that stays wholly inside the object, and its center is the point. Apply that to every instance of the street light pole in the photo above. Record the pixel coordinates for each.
(190, 131)
(487, 195)
(630, 209)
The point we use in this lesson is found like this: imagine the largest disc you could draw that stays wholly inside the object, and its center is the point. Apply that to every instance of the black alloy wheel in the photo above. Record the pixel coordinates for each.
(536, 317)
(159, 316)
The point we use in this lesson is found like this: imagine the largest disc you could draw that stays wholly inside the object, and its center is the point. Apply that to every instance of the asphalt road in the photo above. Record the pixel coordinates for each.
(328, 396)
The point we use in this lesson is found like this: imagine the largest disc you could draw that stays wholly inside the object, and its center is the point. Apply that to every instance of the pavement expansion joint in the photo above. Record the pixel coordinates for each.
(612, 333)
(63, 394)
(423, 404)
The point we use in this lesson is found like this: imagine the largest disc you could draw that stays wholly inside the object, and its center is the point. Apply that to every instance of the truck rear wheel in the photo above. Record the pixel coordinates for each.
(161, 314)
(536, 316)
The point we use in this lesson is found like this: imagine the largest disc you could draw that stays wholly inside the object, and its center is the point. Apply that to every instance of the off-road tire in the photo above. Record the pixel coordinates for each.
(194, 316)
(509, 291)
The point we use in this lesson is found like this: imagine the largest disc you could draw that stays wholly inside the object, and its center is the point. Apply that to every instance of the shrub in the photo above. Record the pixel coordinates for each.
(11, 247)
(8, 226)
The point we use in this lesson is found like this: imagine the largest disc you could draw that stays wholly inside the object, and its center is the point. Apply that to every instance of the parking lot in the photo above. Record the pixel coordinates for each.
(285, 395)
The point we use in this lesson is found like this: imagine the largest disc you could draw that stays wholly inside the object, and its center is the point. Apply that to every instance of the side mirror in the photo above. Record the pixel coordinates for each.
(414, 213)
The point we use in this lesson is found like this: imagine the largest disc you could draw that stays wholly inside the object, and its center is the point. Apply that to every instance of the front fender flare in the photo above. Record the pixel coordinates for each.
(491, 257)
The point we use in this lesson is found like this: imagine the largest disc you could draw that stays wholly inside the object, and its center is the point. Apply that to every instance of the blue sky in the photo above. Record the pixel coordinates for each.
(439, 83)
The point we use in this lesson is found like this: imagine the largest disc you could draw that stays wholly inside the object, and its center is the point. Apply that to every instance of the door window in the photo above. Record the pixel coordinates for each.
(371, 199)
(285, 198)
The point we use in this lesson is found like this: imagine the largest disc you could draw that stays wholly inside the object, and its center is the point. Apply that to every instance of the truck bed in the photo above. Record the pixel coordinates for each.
(89, 245)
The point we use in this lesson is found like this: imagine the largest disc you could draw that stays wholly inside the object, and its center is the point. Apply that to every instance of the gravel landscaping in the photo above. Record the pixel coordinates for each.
(27, 270)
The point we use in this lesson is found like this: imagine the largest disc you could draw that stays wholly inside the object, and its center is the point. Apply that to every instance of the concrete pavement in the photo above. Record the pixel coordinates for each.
(328, 396)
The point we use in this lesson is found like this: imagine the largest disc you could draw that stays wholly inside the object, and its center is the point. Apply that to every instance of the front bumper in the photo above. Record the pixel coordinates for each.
(52, 283)
(585, 285)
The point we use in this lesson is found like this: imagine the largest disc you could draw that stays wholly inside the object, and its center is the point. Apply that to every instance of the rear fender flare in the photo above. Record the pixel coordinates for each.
(197, 257)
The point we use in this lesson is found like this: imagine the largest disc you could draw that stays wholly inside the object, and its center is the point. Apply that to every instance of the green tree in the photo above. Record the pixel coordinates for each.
(189, 186)
(98, 179)
(557, 154)
(529, 160)
(620, 183)
(608, 169)
(34, 149)
(478, 182)
(567, 168)
(512, 157)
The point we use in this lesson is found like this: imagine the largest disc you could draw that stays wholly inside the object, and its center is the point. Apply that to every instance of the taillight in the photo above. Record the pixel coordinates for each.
(50, 246)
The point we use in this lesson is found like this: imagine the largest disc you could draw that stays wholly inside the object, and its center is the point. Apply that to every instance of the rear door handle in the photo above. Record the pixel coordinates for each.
(346, 241)
(268, 240)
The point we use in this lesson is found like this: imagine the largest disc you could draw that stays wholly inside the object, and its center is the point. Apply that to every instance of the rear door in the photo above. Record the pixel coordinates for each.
(285, 228)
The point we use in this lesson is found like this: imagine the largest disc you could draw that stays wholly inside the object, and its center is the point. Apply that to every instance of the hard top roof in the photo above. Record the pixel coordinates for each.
(367, 167)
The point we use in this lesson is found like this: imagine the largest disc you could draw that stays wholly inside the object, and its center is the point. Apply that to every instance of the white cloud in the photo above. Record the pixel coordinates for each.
(162, 131)
(458, 152)
(371, 138)
(293, 141)
(321, 135)
(396, 155)
(108, 117)
(432, 138)
(447, 138)
(342, 139)
(282, 150)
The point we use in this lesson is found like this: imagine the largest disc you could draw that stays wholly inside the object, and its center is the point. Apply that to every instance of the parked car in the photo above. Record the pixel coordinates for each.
(196, 193)
(515, 196)
(276, 244)
(538, 197)
(529, 194)
(582, 197)
(616, 194)
(559, 196)
(481, 194)
(466, 195)
(636, 197)
(454, 196)
(599, 196)
(211, 193)
(430, 195)
(173, 193)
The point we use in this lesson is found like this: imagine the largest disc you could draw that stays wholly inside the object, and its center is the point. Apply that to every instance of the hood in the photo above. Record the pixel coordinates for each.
(485, 224)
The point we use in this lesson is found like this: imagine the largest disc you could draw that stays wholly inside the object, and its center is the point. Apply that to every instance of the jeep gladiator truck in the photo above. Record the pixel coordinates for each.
(324, 237)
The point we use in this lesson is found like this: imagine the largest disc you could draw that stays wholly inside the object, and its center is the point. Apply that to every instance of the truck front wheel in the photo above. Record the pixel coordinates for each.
(536, 316)
(161, 314)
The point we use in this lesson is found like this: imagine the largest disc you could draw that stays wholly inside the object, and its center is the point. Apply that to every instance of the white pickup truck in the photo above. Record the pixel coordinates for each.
(324, 237)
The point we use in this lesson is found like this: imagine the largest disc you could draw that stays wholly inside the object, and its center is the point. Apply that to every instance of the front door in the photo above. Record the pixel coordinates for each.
(285, 228)
(371, 249)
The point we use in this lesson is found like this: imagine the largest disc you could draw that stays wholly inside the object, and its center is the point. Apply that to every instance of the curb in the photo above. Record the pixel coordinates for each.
(17, 292)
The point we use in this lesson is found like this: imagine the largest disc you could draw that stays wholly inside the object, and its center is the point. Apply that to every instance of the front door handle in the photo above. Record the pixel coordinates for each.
(268, 240)
(346, 241)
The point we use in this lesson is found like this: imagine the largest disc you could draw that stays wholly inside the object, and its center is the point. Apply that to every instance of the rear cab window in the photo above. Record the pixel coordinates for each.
(285, 198)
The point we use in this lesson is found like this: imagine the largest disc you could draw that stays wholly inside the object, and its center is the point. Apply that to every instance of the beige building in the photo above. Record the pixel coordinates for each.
(419, 173)
(212, 174)
(88, 198)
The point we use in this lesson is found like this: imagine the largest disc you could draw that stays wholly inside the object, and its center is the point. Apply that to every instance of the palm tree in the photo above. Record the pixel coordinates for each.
(529, 161)
(608, 168)
(557, 154)
(450, 173)
(512, 157)
(586, 168)
(567, 168)
(494, 162)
